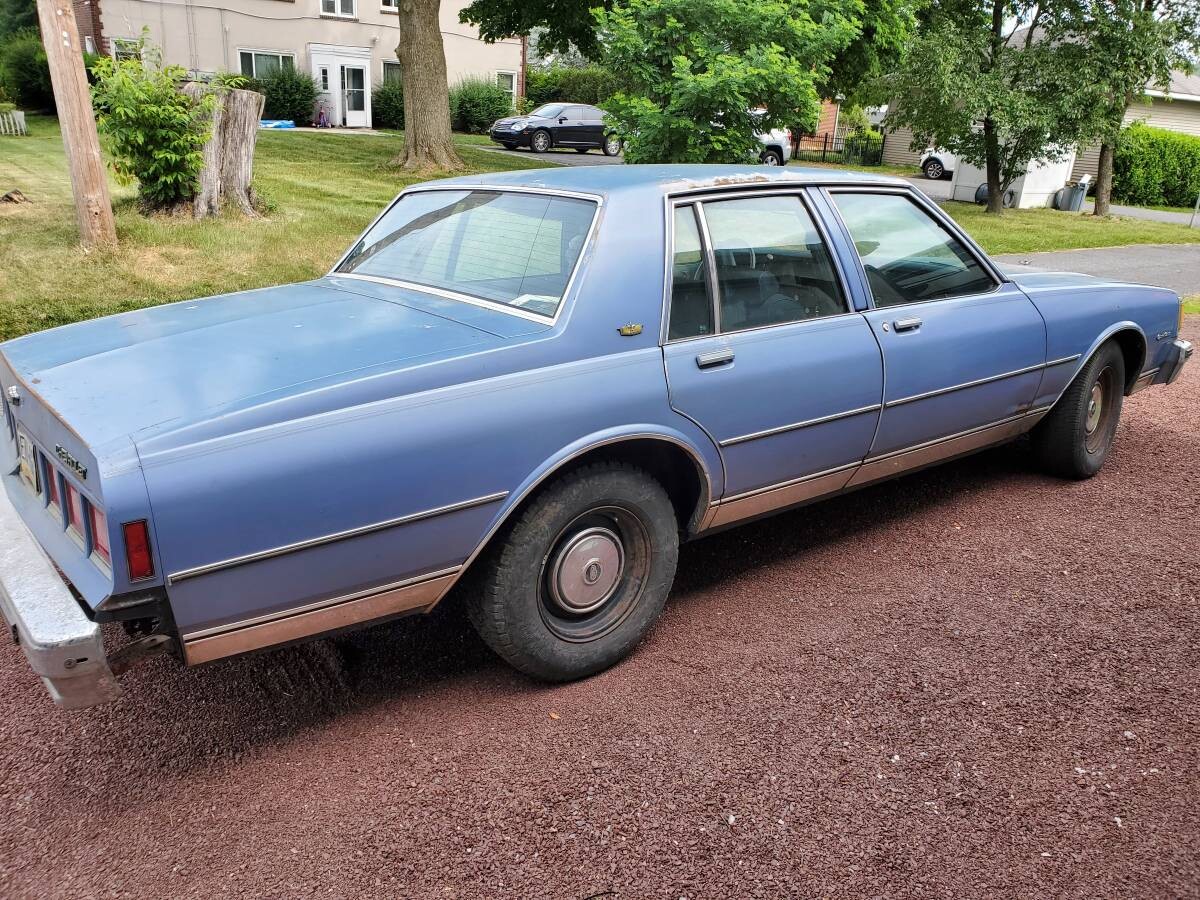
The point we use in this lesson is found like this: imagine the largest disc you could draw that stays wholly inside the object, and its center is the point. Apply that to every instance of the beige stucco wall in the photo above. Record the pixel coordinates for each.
(206, 36)
(1175, 115)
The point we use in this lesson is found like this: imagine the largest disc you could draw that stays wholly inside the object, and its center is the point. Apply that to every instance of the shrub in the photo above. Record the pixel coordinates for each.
(1156, 167)
(155, 132)
(592, 84)
(24, 72)
(387, 105)
(475, 103)
(290, 95)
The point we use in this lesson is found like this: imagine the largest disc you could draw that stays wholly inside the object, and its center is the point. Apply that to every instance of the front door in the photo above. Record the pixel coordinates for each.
(568, 127)
(962, 350)
(765, 354)
(354, 96)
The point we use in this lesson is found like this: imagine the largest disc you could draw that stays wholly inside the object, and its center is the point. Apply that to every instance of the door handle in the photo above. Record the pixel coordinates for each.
(714, 358)
(911, 324)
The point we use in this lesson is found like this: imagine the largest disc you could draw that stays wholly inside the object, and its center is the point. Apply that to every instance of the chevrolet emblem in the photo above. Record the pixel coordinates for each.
(630, 330)
(70, 461)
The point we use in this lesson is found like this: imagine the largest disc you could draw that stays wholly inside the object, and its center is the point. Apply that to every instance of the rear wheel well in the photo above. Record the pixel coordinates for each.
(1133, 348)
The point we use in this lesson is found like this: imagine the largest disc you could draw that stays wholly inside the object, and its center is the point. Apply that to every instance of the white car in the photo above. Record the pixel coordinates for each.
(777, 147)
(937, 163)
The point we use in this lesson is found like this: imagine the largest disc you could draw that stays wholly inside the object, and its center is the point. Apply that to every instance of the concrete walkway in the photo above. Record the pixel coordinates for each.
(1154, 215)
(1174, 266)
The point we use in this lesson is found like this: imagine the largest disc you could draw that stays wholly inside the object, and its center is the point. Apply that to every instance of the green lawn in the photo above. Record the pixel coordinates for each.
(322, 190)
(1191, 305)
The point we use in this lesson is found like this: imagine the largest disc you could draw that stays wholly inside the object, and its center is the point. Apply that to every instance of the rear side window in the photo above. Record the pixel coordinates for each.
(513, 248)
(772, 266)
(691, 309)
(907, 255)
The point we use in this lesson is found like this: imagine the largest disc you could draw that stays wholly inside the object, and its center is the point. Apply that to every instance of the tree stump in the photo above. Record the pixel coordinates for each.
(229, 152)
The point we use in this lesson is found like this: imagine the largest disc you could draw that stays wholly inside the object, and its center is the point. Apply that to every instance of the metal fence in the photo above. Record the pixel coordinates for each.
(850, 149)
(12, 123)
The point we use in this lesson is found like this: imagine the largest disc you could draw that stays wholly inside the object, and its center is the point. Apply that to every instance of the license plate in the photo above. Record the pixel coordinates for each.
(25, 459)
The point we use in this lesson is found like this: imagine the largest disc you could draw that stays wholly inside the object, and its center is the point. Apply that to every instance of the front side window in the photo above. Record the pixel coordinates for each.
(772, 265)
(518, 249)
(907, 255)
(257, 64)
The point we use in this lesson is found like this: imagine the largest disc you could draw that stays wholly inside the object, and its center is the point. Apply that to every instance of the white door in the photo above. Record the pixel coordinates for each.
(354, 96)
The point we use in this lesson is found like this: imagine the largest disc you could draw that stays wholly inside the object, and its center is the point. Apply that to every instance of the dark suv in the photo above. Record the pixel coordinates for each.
(574, 125)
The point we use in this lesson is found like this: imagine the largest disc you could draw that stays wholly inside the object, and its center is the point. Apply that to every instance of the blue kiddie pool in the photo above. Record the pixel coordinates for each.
(276, 123)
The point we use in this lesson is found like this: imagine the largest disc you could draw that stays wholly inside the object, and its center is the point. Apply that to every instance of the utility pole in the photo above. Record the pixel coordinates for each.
(93, 206)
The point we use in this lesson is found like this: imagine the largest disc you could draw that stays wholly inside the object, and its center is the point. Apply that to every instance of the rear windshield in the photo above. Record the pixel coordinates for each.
(513, 248)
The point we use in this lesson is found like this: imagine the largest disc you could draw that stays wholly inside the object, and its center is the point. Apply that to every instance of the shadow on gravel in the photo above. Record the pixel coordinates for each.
(189, 717)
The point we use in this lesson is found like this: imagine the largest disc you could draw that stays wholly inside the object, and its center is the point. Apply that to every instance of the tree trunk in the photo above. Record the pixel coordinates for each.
(991, 146)
(428, 143)
(229, 152)
(1104, 180)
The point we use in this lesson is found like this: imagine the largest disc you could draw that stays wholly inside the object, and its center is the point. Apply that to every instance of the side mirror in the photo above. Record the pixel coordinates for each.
(562, 119)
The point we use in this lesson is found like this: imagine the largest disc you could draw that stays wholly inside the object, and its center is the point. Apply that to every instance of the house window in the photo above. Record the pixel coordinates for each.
(391, 73)
(342, 8)
(261, 63)
(390, 5)
(89, 45)
(324, 79)
(123, 48)
(508, 81)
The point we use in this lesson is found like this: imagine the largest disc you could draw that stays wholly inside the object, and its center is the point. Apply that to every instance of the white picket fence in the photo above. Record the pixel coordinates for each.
(13, 122)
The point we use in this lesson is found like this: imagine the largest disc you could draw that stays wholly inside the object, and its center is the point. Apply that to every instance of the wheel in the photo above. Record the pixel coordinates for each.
(772, 158)
(582, 149)
(933, 169)
(573, 586)
(612, 145)
(540, 142)
(1075, 437)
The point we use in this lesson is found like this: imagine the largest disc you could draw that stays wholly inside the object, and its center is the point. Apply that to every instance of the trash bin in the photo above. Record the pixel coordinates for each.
(1070, 198)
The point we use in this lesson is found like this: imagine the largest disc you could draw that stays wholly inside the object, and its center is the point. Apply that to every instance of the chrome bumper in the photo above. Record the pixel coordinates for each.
(62, 644)
(1181, 352)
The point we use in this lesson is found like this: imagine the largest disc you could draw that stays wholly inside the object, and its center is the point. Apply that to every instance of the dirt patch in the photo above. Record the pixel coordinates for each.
(976, 681)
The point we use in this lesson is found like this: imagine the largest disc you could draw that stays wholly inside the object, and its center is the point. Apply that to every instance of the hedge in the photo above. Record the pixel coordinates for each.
(475, 103)
(290, 95)
(592, 84)
(1156, 167)
(387, 105)
(25, 73)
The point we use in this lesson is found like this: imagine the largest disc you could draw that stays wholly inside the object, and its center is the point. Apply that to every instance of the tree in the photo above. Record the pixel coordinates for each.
(997, 98)
(1132, 45)
(428, 142)
(887, 27)
(17, 15)
(562, 24)
(692, 71)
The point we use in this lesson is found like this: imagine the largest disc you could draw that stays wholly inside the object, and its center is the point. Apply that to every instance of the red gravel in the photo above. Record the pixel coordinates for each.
(975, 681)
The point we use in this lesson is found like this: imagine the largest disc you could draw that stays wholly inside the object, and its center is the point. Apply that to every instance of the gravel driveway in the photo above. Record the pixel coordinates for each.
(976, 681)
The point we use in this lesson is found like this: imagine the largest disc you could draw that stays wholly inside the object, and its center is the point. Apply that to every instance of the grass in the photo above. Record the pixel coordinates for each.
(323, 189)
(1191, 305)
(1034, 230)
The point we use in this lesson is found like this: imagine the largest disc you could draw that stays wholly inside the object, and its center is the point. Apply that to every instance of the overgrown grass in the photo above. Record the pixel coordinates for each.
(1191, 305)
(1032, 230)
(322, 189)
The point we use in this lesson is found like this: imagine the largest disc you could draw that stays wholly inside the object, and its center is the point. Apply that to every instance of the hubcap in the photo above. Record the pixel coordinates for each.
(540, 142)
(935, 171)
(770, 160)
(613, 146)
(1095, 408)
(586, 570)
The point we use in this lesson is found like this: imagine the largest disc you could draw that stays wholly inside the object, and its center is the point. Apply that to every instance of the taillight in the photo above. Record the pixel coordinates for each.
(137, 550)
(74, 509)
(99, 534)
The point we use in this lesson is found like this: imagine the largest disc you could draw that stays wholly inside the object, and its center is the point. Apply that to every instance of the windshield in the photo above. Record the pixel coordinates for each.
(513, 248)
(549, 111)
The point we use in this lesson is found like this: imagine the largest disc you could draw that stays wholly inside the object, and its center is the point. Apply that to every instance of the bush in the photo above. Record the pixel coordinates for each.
(290, 95)
(155, 132)
(1156, 167)
(387, 105)
(475, 103)
(592, 84)
(24, 72)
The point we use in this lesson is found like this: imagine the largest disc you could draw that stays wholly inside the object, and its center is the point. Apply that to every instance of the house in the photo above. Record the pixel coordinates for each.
(349, 46)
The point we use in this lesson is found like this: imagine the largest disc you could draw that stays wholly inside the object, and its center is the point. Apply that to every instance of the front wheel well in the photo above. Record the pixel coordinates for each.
(1133, 349)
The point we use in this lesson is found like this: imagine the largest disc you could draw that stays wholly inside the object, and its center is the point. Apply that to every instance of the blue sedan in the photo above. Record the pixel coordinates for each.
(531, 386)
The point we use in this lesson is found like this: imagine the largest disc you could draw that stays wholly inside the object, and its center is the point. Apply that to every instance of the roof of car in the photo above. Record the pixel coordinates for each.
(666, 179)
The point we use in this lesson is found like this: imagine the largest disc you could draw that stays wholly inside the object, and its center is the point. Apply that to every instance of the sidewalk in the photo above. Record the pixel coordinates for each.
(1154, 215)
(1174, 266)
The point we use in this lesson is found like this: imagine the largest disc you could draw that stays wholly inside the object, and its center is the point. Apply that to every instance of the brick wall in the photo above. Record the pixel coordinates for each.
(87, 19)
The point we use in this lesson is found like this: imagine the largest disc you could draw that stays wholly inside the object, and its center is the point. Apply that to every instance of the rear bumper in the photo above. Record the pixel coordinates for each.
(1180, 353)
(62, 644)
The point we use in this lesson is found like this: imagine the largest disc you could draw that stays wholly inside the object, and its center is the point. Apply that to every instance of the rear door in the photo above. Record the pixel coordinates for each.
(593, 126)
(764, 352)
(962, 349)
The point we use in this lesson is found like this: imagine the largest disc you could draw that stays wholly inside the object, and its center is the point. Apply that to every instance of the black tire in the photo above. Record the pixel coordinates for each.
(1077, 434)
(540, 141)
(612, 145)
(540, 612)
(771, 158)
(933, 169)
